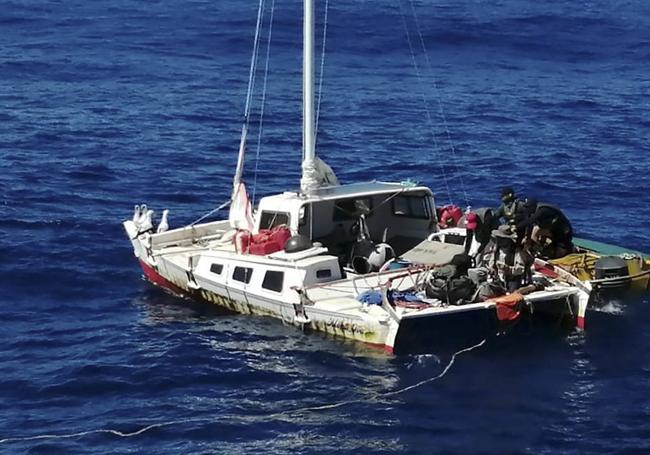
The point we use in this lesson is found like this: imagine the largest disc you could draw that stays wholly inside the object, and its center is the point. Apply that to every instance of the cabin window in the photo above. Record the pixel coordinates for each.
(242, 274)
(273, 281)
(412, 207)
(323, 273)
(216, 268)
(269, 220)
(303, 215)
(455, 239)
(352, 208)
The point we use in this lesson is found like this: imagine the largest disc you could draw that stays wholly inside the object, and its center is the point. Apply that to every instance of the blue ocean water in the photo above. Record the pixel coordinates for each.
(109, 103)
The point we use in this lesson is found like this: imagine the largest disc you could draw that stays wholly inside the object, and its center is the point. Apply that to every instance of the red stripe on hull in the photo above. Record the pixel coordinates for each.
(157, 279)
(580, 322)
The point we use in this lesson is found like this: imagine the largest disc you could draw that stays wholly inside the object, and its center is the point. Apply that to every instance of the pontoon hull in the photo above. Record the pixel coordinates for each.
(442, 332)
(245, 303)
(449, 332)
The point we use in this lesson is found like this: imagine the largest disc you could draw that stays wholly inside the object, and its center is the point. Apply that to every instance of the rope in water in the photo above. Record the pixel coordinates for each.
(124, 434)
(389, 394)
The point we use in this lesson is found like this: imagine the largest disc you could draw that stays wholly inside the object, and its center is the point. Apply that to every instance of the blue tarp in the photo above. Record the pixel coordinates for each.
(373, 297)
(370, 297)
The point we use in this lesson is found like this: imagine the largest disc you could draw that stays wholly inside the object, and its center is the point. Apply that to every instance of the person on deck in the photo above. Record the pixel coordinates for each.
(480, 228)
(550, 234)
(509, 205)
(471, 223)
(524, 218)
(510, 264)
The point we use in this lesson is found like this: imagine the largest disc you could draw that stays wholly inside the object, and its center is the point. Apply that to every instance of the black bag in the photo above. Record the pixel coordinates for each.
(462, 262)
(454, 291)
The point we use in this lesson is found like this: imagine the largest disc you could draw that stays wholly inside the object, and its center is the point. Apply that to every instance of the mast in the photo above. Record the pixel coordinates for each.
(309, 180)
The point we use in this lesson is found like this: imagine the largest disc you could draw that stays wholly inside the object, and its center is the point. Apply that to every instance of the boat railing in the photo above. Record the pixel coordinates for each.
(189, 235)
(381, 280)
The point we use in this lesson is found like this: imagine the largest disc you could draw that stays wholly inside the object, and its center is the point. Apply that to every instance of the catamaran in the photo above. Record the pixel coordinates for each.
(318, 256)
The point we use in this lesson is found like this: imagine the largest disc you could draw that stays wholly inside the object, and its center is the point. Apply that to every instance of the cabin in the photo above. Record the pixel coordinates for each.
(204, 256)
(399, 214)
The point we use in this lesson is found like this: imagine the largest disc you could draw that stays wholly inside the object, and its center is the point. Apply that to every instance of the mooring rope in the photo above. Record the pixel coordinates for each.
(389, 394)
(144, 429)
(99, 431)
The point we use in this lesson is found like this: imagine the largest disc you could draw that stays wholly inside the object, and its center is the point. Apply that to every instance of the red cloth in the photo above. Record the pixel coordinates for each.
(546, 270)
(508, 306)
(269, 241)
(242, 241)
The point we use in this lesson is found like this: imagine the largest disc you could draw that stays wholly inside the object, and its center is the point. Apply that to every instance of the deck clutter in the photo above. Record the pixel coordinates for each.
(536, 232)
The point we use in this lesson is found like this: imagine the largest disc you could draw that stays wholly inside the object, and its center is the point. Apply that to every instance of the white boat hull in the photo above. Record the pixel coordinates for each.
(181, 261)
(354, 328)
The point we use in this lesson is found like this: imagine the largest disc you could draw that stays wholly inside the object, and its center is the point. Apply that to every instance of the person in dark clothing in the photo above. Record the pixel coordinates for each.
(485, 223)
(471, 223)
(550, 232)
(510, 263)
(524, 219)
(509, 206)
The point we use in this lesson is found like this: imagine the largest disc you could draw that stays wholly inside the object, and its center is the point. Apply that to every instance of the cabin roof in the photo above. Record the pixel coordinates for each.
(351, 190)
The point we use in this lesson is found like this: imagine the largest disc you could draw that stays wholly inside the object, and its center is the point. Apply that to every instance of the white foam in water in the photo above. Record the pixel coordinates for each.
(611, 307)
(423, 360)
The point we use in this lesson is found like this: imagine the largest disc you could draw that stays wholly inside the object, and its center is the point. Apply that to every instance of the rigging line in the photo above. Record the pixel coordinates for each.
(253, 65)
(424, 100)
(440, 109)
(353, 214)
(263, 102)
(385, 201)
(249, 95)
(222, 206)
(322, 68)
